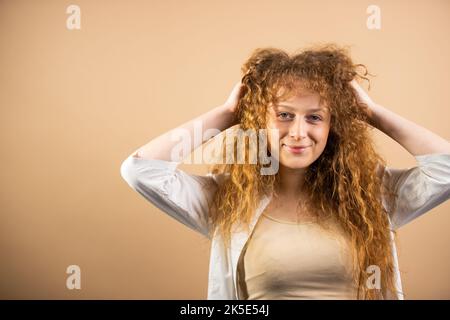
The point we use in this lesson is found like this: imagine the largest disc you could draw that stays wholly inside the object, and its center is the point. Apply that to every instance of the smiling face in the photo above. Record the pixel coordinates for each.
(302, 121)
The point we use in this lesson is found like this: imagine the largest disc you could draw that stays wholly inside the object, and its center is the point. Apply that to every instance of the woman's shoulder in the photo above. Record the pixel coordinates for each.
(219, 178)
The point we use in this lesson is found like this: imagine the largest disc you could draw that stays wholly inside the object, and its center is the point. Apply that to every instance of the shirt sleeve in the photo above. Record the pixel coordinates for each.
(183, 196)
(419, 189)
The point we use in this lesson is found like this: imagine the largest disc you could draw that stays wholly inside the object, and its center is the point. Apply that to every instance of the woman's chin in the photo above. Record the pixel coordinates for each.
(294, 164)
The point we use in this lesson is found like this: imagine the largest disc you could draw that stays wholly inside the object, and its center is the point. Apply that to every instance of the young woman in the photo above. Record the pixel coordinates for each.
(322, 226)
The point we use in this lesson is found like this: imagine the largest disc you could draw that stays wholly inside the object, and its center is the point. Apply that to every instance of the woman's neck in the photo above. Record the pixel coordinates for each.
(290, 182)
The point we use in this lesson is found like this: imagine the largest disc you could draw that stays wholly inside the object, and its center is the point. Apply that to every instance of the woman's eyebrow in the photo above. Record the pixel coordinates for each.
(310, 109)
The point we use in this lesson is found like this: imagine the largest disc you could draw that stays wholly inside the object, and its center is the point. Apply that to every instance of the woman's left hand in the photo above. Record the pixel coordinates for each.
(363, 98)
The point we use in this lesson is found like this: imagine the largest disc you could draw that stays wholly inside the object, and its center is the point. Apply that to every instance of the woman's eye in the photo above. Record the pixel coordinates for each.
(286, 116)
(316, 118)
(283, 115)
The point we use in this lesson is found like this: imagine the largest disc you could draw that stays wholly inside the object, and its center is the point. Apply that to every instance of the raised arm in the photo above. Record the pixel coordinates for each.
(416, 139)
(220, 118)
(420, 188)
(154, 174)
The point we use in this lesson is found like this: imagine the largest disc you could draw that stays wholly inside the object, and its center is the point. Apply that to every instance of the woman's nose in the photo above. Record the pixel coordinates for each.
(297, 129)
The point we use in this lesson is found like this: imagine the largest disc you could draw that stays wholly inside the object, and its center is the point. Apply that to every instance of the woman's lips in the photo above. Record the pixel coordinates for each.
(296, 150)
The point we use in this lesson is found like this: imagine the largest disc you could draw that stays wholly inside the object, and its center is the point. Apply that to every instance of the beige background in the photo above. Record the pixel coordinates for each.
(75, 104)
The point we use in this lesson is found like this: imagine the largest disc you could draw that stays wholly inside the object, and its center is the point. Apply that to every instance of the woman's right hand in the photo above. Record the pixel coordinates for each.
(233, 100)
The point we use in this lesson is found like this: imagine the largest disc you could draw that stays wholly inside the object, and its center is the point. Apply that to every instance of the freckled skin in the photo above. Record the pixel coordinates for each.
(298, 126)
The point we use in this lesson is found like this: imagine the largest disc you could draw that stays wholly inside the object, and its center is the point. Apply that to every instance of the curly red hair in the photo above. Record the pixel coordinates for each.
(344, 182)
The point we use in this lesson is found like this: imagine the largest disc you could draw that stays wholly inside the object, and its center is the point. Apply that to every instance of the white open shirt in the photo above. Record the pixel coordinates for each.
(181, 196)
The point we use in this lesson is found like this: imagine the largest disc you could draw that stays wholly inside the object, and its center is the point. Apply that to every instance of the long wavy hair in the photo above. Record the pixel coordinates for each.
(344, 182)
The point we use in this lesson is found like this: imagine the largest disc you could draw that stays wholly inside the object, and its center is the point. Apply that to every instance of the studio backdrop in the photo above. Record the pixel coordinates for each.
(83, 84)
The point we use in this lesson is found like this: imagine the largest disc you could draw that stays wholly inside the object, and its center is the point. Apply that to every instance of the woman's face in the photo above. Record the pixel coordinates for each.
(301, 121)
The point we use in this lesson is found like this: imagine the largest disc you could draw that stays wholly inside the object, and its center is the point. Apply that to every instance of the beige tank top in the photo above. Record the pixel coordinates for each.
(289, 260)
